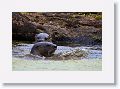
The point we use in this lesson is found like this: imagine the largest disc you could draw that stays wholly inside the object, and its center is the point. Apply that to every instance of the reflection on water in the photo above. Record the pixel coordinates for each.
(23, 51)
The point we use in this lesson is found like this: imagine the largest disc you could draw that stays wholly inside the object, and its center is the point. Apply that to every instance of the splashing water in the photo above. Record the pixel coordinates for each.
(23, 51)
(65, 58)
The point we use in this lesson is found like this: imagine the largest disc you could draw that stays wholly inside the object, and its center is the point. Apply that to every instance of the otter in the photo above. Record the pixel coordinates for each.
(41, 37)
(45, 49)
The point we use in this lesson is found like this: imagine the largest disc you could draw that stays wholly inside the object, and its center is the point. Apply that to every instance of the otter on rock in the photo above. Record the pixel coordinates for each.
(43, 49)
(41, 37)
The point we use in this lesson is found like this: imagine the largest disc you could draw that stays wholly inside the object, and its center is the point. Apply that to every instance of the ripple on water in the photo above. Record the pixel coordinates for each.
(23, 51)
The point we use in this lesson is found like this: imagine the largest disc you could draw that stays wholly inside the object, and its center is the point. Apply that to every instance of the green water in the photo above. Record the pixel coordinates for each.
(22, 61)
(63, 65)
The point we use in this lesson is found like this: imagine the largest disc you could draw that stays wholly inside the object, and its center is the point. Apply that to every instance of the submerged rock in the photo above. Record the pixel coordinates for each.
(69, 55)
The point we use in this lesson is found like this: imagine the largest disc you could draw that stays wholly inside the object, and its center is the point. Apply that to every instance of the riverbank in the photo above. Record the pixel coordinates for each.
(52, 65)
(63, 27)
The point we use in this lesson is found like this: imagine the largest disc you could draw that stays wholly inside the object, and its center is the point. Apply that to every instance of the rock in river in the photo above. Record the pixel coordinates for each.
(45, 49)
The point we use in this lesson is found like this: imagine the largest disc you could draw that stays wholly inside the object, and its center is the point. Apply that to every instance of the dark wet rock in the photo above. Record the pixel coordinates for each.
(45, 49)
(62, 27)
(22, 28)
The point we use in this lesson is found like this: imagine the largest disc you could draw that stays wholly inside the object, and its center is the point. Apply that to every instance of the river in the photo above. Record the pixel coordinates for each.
(22, 60)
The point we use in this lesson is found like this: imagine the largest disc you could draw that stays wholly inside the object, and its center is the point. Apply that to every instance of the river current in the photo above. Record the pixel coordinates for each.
(93, 52)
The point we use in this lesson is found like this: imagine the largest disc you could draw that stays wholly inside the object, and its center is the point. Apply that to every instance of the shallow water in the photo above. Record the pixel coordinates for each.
(94, 52)
(23, 61)
(60, 65)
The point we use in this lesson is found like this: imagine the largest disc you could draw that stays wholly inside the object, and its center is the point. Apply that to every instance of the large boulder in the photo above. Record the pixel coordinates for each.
(45, 49)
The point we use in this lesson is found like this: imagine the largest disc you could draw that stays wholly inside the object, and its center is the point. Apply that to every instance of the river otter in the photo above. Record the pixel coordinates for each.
(45, 49)
(41, 37)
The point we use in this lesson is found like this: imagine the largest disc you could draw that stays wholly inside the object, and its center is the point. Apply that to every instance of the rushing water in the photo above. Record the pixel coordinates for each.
(23, 61)
(94, 52)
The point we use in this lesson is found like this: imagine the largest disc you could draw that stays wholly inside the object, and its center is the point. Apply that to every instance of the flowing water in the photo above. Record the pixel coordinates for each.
(22, 60)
